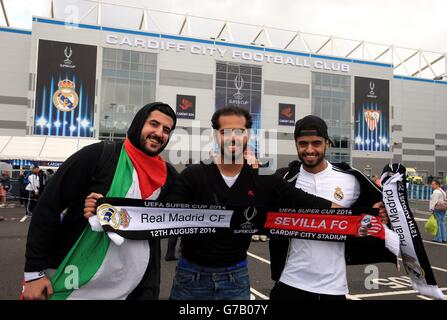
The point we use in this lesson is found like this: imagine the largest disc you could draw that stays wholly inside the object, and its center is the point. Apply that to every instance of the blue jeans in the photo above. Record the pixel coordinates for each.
(203, 283)
(440, 218)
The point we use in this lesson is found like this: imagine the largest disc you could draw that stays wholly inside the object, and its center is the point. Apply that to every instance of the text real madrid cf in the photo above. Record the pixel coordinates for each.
(177, 217)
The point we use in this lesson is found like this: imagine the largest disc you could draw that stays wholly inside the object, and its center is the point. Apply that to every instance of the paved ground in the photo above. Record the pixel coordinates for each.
(390, 283)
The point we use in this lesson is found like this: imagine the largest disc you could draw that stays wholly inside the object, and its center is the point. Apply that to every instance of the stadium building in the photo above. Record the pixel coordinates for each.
(64, 85)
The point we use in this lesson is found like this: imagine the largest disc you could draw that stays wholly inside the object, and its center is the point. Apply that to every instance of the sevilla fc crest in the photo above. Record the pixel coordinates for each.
(372, 118)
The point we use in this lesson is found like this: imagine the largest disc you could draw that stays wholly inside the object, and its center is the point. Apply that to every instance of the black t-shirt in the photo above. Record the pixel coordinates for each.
(204, 184)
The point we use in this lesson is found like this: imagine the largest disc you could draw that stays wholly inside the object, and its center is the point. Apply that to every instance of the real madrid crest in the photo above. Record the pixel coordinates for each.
(114, 218)
(338, 194)
(66, 99)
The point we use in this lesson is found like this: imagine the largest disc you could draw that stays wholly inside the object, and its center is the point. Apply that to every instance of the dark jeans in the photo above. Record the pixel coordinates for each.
(282, 291)
(23, 196)
(205, 283)
(30, 203)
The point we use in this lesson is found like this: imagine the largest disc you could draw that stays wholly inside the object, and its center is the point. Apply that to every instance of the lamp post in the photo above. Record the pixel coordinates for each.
(111, 132)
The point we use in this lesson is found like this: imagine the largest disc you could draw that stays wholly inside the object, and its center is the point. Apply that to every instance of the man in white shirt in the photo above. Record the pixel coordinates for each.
(316, 270)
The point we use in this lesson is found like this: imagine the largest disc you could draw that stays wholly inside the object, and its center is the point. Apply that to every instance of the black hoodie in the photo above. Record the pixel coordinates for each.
(91, 169)
(357, 251)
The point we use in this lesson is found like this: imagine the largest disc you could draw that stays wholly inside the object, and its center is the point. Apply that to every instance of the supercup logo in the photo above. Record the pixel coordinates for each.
(249, 214)
(372, 94)
(68, 52)
(238, 84)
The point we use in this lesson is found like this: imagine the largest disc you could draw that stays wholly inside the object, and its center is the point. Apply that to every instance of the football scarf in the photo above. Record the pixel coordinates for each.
(414, 257)
(136, 219)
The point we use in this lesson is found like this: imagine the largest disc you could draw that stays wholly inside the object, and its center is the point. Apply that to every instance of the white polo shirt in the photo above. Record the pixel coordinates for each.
(320, 266)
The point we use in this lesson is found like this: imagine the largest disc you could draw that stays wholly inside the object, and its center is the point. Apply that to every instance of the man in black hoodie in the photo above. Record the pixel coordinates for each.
(92, 169)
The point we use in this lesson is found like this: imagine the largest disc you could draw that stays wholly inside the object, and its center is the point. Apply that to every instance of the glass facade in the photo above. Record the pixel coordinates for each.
(128, 83)
(331, 100)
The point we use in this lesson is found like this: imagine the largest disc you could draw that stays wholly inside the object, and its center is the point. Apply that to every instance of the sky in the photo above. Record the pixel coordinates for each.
(413, 24)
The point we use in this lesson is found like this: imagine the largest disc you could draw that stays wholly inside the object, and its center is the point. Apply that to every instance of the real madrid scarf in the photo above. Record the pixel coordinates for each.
(103, 265)
(414, 257)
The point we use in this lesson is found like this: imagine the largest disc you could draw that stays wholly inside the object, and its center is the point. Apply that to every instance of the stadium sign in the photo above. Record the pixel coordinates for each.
(222, 52)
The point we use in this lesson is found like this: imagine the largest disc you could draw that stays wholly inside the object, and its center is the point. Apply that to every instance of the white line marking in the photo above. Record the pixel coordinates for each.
(435, 243)
(393, 293)
(258, 257)
(256, 292)
(350, 297)
(439, 269)
(420, 219)
(424, 297)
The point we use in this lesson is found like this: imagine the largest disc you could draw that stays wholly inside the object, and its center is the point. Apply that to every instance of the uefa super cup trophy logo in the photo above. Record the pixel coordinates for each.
(238, 84)
(68, 52)
(371, 87)
(249, 214)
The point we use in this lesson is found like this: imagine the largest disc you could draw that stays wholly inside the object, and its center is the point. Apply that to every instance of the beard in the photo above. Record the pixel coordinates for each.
(153, 153)
(313, 163)
(238, 155)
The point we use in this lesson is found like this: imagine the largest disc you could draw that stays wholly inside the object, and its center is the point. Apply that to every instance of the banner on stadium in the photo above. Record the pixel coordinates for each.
(240, 85)
(185, 107)
(65, 89)
(286, 114)
(371, 119)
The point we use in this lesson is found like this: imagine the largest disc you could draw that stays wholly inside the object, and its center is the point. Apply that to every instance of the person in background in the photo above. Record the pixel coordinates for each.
(438, 195)
(22, 191)
(42, 180)
(50, 173)
(33, 192)
(5, 186)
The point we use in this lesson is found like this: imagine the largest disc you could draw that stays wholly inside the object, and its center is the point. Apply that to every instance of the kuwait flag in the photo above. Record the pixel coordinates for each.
(98, 268)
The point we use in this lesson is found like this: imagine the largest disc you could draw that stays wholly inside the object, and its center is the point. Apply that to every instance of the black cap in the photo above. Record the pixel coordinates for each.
(311, 126)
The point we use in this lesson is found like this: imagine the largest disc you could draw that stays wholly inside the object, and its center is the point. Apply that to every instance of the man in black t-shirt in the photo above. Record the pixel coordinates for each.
(214, 267)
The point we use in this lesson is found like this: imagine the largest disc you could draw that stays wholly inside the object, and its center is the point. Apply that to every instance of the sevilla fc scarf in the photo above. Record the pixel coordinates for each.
(414, 258)
(103, 265)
